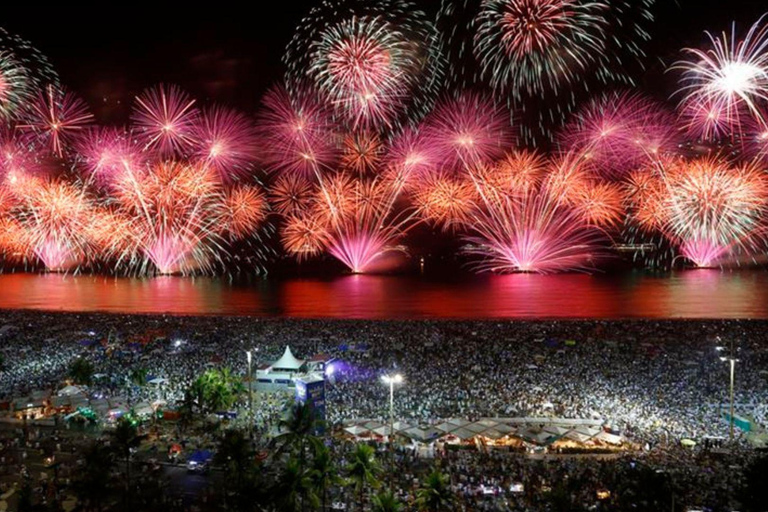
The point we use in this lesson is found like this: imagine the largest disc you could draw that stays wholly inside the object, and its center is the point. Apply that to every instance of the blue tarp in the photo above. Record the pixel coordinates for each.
(200, 456)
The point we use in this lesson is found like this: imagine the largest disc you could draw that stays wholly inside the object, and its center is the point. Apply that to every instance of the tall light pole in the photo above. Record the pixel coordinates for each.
(250, 394)
(731, 358)
(392, 380)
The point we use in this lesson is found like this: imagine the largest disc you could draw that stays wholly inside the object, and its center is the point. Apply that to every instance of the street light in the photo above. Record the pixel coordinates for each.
(250, 394)
(392, 380)
(732, 363)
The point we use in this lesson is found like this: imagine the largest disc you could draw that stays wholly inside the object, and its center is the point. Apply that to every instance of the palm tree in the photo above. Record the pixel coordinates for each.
(81, 371)
(363, 470)
(323, 471)
(386, 502)
(294, 488)
(435, 493)
(92, 484)
(297, 430)
(139, 377)
(235, 454)
(125, 439)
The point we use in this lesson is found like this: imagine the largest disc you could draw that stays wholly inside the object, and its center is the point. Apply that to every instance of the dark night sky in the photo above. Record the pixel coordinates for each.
(108, 52)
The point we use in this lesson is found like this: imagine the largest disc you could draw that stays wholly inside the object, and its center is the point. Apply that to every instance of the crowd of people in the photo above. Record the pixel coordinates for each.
(656, 382)
(651, 380)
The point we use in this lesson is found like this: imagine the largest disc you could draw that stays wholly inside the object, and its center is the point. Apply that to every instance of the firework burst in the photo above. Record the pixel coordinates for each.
(56, 117)
(376, 63)
(165, 119)
(467, 131)
(297, 133)
(620, 132)
(708, 209)
(726, 80)
(224, 140)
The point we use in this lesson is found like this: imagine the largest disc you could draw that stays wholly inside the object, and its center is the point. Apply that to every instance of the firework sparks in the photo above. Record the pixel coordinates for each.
(729, 78)
(56, 116)
(165, 119)
(376, 63)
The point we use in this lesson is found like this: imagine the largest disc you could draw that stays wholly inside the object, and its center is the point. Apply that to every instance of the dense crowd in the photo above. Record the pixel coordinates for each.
(656, 382)
(652, 380)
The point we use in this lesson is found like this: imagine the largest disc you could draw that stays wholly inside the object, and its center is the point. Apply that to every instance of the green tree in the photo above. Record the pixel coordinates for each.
(235, 454)
(92, 484)
(139, 377)
(754, 494)
(125, 439)
(435, 493)
(81, 371)
(363, 471)
(295, 490)
(386, 501)
(297, 431)
(323, 471)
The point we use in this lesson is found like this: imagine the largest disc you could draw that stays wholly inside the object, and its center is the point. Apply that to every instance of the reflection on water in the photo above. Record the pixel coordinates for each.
(687, 294)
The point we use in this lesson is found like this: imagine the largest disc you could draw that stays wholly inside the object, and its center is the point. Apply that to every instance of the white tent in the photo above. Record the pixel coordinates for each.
(70, 391)
(287, 361)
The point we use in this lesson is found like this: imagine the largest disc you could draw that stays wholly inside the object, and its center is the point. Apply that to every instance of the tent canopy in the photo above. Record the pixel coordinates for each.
(287, 361)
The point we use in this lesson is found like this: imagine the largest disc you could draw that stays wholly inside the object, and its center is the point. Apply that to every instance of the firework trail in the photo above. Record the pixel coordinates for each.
(24, 72)
(544, 55)
(376, 63)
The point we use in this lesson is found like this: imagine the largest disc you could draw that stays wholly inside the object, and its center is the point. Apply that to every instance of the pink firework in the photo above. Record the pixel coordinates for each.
(226, 141)
(108, 152)
(730, 77)
(17, 155)
(534, 234)
(166, 120)
(707, 119)
(56, 117)
(409, 158)
(620, 132)
(467, 131)
(756, 141)
(297, 133)
(55, 218)
(361, 246)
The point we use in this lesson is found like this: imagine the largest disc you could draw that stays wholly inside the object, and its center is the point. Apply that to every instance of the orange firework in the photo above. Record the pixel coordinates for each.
(601, 204)
(245, 208)
(517, 173)
(362, 152)
(447, 202)
(290, 194)
(303, 236)
(567, 179)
